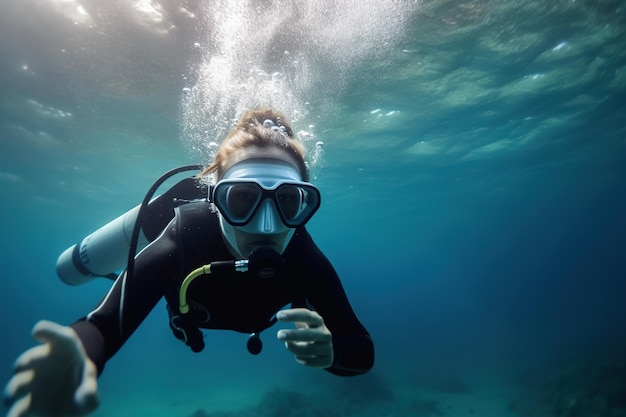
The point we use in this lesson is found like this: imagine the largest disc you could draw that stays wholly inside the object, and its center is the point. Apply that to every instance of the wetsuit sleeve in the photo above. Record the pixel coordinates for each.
(352, 344)
(131, 298)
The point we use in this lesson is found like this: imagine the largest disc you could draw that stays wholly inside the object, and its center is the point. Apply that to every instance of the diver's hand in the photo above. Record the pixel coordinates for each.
(55, 379)
(311, 341)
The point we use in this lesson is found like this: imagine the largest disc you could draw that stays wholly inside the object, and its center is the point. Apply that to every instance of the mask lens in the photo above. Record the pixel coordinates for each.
(289, 200)
(297, 203)
(238, 201)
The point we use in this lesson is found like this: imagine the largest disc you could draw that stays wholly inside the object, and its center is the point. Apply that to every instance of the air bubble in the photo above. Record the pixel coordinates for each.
(318, 155)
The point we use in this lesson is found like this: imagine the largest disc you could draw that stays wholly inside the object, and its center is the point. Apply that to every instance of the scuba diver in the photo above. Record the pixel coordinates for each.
(231, 253)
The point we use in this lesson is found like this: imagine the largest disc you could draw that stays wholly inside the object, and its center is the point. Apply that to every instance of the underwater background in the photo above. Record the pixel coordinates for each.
(471, 157)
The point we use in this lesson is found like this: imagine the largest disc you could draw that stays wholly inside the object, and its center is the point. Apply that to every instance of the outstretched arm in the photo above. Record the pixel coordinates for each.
(131, 298)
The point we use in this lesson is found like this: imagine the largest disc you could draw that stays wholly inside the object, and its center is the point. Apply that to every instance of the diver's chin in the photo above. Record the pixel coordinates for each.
(248, 248)
(248, 242)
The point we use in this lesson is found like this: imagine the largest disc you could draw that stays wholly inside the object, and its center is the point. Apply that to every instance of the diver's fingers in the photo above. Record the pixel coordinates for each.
(304, 315)
(307, 350)
(18, 386)
(29, 358)
(21, 407)
(50, 332)
(304, 335)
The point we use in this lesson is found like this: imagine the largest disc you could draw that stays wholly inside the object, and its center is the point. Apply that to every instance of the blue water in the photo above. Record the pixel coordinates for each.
(472, 176)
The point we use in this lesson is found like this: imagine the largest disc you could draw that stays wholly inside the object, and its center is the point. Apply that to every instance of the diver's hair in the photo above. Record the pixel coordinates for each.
(250, 131)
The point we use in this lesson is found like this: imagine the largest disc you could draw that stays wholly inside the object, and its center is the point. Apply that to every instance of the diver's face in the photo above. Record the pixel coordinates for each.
(267, 166)
(246, 242)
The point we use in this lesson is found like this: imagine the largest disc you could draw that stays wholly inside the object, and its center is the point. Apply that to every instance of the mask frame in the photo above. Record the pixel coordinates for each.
(295, 201)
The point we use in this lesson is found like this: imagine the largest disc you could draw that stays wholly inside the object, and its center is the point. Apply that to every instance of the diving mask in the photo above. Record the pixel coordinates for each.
(263, 200)
(239, 200)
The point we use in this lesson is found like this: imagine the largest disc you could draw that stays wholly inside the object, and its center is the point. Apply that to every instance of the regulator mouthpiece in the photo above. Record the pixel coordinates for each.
(265, 262)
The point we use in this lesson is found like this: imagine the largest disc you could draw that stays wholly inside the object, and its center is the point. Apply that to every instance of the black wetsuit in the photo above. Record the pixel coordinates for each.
(237, 301)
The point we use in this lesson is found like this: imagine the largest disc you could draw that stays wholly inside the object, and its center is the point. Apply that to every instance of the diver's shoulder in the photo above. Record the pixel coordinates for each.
(196, 214)
(196, 208)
